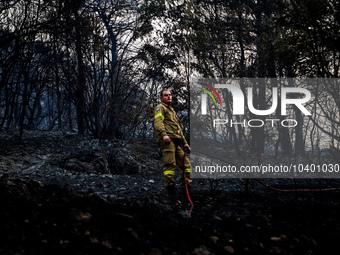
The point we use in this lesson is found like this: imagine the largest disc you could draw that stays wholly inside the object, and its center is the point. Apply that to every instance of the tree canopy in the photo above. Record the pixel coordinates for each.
(97, 66)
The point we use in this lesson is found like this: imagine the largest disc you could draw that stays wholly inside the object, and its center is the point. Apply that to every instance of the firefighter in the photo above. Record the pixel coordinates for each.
(169, 139)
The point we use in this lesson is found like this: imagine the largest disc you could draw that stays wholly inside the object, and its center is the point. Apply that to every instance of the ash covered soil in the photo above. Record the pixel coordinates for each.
(70, 194)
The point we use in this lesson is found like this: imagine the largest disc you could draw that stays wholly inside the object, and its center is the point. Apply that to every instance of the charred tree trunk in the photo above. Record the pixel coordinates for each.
(81, 83)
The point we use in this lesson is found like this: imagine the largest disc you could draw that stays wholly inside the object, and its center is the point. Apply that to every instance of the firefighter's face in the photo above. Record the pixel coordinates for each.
(166, 97)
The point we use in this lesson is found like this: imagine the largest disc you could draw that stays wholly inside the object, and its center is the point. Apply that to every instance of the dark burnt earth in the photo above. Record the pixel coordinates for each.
(70, 194)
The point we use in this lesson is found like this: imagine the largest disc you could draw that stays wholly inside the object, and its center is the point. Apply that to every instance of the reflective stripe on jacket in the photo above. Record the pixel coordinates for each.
(166, 123)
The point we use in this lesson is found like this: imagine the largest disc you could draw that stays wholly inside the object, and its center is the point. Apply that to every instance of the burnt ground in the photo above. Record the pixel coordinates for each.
(66, 194)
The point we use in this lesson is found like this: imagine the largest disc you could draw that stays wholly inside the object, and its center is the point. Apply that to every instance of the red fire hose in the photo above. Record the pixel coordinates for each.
(185, 181)
(294, 190)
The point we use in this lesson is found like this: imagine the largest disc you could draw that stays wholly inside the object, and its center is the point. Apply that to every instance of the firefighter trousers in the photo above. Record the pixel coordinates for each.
(173, 155)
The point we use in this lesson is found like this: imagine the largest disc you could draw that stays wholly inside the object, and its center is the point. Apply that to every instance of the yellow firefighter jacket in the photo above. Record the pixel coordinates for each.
(166, 123)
